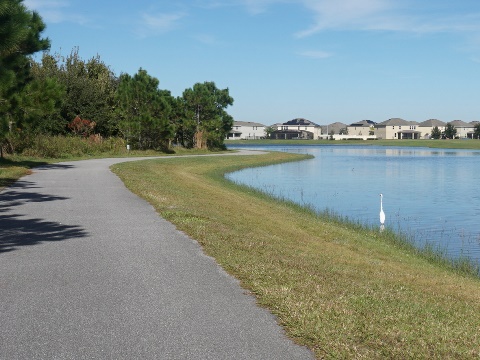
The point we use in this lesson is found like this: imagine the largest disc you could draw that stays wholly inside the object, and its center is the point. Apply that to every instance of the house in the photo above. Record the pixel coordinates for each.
(471, 134)
(336, 128)
(463, 128)
(298, 128)
(291, 135)
(427, 126)
(246, 130)
(361, 128)
(397, 128)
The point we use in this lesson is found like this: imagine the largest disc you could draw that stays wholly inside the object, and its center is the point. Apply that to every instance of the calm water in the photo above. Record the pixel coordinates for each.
(432, 194)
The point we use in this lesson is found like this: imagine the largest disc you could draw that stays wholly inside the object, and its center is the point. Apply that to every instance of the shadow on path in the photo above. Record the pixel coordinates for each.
(16, 231)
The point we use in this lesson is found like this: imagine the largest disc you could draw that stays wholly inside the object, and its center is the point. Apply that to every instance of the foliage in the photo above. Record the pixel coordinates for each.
(450, 131)
(81, 126)
(268, 131)
(89, 90)
(55, 95)
(62, 147)
(205, 116)
(20, 31)
(476, 131)
(436, 133)
(144, 111)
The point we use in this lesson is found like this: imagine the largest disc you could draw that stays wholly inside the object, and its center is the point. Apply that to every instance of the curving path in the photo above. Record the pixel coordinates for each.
(90, 271)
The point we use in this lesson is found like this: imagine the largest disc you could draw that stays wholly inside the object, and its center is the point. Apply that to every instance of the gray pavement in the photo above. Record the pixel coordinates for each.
(90, 271)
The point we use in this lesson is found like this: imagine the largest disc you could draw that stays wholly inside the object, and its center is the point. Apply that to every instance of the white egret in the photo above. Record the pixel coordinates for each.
(382, 214)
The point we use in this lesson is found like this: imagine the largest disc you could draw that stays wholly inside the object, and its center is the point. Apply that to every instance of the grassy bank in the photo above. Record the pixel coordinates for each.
(438, 144)
(342, 290)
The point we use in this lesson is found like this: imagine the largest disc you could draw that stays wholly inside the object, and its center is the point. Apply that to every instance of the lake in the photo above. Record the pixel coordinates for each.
(430, 194)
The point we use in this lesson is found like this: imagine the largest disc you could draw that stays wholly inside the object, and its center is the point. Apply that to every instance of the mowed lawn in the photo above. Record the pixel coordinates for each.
(343, 290)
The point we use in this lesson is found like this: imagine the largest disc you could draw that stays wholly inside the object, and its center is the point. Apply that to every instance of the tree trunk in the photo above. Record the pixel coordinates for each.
(200, 140)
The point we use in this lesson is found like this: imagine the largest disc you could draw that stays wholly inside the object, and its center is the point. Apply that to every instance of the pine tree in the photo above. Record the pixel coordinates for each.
(20, 31)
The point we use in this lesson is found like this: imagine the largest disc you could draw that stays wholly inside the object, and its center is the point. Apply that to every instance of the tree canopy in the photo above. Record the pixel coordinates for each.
(205, 106)
(20, 37)
(450, 131)
(143, 111)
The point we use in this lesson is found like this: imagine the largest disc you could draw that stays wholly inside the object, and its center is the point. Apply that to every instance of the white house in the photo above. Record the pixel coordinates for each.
(246, 130)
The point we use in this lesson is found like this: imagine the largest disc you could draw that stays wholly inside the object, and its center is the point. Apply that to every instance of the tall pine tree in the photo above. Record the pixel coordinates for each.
(144, 111)
(20, 31)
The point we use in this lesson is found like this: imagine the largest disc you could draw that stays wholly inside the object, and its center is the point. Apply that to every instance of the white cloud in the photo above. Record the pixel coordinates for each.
(315, 54)
(55, 11)
(345, 14)
(387, 15)
(159, 23)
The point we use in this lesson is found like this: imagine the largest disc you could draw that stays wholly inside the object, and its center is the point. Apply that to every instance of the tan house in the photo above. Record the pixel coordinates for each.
(427, 126)
(397, 128)
(361, 128)
(463, 128)
(335, 128)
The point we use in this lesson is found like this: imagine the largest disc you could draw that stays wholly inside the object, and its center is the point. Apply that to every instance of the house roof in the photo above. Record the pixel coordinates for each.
(300, 121)
(246, 123)
(335, 127)
(365, 123)
(460, 123)
(394, 122)
(432, 123)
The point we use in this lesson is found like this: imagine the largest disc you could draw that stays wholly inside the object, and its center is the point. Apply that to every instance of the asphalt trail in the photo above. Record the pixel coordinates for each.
(89, 270)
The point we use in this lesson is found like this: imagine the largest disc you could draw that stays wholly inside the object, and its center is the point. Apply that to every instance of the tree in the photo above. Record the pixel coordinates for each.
(476, 131)
(143, 111)
(205, 115)
(20, 31)
(90, 91)
(268, 131)
(450, 131)
(436, 133)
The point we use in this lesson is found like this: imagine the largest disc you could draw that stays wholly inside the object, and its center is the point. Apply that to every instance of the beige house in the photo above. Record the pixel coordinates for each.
(464, 130)
(335, 128)
(427, 126)
(397, 128)
(361, 128)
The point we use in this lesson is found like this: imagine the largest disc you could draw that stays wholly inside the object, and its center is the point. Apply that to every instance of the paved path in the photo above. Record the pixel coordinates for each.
(89, 271)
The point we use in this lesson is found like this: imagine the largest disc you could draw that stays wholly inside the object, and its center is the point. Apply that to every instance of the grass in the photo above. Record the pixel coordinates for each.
(443, 144)
(343, 290)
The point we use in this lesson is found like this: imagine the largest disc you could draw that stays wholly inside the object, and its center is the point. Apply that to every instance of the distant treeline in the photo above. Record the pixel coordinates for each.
(67, 95)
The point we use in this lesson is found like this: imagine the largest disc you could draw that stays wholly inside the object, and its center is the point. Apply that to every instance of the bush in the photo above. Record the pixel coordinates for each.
(65, 146)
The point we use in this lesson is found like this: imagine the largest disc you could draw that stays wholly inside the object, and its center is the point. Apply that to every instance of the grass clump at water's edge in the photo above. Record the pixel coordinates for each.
(341, 289)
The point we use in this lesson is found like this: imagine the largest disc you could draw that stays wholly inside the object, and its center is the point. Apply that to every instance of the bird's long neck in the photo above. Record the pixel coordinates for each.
(381, 203)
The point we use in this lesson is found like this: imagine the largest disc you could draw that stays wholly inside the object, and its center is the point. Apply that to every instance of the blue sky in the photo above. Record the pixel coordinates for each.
(324, 60)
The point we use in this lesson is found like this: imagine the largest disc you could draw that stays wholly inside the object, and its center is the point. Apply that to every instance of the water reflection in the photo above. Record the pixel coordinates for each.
(430, 194)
